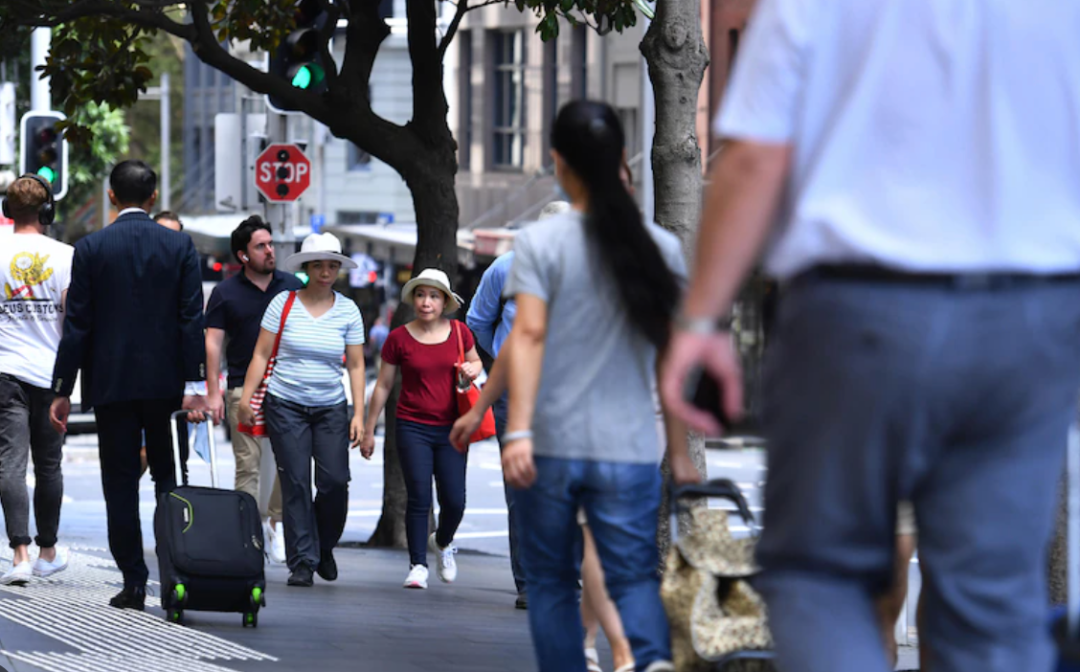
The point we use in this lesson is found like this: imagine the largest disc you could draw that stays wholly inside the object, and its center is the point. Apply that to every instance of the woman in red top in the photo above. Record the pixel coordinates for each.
(426, 351)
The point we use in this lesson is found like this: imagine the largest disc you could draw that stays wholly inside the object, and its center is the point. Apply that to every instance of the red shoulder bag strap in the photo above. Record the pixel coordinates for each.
(281, 327)
(460, 343)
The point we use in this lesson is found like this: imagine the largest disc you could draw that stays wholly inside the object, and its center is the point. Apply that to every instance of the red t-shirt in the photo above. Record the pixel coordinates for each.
(427, 375)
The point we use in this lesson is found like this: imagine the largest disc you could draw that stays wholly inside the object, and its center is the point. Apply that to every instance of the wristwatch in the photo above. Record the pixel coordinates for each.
(701, 326)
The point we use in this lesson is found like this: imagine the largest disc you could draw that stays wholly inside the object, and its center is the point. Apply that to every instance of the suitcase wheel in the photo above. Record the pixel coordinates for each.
(258, 598)
(180, 595)
(175, 616)
(251, 619)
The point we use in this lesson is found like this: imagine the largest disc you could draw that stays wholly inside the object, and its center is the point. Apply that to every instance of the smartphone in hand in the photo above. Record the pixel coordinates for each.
(705, 393)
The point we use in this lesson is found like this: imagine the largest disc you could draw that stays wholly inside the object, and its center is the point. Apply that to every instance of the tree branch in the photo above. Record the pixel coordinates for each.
(463, 8)
(333, 13)
(82, 9)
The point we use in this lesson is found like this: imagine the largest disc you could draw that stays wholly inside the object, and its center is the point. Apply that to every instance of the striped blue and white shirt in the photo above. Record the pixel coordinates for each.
(309, 361)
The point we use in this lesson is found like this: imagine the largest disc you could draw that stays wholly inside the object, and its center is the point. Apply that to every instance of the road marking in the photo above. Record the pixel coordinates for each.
(72, 608)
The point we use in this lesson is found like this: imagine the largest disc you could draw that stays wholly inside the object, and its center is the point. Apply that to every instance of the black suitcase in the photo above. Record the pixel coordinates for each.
(209, 546)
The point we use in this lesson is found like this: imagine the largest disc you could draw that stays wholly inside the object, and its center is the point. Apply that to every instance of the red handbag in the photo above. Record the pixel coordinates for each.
(468, 395)
(257, 399)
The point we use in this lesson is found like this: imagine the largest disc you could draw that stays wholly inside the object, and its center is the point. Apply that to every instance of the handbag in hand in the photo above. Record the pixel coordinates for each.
(259, 397)
(468, 394)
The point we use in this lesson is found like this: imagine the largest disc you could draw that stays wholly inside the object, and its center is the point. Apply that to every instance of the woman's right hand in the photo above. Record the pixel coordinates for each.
(367, 446)
(244, 414)
(464, 428)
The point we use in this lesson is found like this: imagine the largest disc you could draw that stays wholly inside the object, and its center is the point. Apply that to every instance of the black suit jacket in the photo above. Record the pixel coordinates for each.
(134, 320)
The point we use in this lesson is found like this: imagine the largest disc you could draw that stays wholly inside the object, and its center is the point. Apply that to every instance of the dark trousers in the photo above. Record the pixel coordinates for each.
(958, 400)
(298, 434)
(500, 409)
(24, 430)
(120, 431)
(425, 451)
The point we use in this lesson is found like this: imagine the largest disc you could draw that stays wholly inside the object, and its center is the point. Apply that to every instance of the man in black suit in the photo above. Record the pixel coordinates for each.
(134, 327)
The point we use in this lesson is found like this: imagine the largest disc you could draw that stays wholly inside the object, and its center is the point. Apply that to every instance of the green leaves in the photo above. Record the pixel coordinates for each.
(598, 14)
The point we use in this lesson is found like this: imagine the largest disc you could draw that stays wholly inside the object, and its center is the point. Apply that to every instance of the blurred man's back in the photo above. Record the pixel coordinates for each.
(927, 345)
(928, 134)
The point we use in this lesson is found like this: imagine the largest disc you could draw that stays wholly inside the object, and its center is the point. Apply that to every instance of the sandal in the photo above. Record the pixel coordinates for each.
(592, 661)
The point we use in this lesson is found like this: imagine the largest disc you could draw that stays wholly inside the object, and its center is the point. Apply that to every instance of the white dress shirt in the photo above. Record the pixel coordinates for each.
(927, 135)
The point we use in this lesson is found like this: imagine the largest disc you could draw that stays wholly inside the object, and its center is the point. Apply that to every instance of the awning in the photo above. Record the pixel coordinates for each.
(396, 242)
(212, 233)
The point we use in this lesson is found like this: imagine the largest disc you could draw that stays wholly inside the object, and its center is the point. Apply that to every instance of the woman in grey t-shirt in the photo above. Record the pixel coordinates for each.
(596, 289)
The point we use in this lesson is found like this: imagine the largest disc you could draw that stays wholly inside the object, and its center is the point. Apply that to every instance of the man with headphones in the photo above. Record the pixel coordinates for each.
(35, 272)
(235, 311)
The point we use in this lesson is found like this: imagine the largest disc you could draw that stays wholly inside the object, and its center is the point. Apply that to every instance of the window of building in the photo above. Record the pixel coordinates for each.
(356, 159)
(509, 90)
(357, 217)
(465, 94)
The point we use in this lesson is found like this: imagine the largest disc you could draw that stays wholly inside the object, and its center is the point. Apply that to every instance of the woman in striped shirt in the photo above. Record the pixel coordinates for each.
(306, 411)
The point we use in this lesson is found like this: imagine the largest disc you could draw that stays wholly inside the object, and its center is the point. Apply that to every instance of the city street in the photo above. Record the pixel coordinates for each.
(364, 621)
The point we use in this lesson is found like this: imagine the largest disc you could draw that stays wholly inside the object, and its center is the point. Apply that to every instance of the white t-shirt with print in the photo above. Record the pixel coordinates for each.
(35, 271)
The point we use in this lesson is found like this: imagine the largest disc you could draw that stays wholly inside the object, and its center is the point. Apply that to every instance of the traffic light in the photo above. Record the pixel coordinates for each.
(298, 59)
(43, 150)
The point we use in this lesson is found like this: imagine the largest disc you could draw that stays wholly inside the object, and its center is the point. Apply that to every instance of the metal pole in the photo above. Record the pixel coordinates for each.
(166, 153)
(648, 130)
(39, 88)
(278, 130)
(104, 203)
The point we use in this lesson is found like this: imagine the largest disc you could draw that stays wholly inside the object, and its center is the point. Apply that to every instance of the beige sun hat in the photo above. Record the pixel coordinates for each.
(433, 277)
(316, 247)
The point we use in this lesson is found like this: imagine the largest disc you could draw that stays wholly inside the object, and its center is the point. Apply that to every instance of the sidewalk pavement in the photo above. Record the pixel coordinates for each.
(365, 621)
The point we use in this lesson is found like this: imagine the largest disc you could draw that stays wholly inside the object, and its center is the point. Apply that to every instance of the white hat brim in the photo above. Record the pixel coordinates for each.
(453, 304)
(294, 262)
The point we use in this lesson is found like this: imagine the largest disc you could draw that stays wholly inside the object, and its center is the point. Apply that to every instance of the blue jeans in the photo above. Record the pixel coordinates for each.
(622, 502)
(956, 399)
(425, 451)
(500, 411)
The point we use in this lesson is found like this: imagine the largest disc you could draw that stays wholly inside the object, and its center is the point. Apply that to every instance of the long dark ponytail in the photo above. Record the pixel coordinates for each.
(590, 140)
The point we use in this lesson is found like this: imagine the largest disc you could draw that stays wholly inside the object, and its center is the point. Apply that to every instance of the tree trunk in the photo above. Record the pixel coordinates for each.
(432, 185)
(675, 52)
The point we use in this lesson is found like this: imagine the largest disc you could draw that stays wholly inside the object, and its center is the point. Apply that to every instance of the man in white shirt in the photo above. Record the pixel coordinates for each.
(35, 271)
(922, 158)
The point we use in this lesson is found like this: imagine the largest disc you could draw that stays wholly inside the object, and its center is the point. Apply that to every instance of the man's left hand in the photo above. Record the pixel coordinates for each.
(196, 407)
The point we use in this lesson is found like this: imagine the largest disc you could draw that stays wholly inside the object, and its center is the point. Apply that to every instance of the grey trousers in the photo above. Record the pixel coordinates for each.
(299, 434)
(958, 400)
(25, 430)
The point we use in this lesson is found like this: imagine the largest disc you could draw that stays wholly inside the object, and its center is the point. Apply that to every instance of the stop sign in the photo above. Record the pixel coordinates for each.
(282, 173)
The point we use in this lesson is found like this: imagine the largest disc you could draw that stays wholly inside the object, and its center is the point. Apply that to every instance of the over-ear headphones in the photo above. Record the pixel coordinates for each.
(47, 210)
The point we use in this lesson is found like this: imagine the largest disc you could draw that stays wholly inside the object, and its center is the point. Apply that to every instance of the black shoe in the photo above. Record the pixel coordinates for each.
(522, 601)
(302, 576)
(130, 598)
(327, 568)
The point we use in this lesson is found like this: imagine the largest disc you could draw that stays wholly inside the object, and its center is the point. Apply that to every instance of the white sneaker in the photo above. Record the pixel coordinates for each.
(19, 575)
(44, 568)
(275, 543)
(447, 563)
(417, 577)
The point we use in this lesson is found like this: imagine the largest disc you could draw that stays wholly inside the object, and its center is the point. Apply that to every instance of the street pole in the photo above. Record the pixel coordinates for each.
(278, 130)
(648, 130)
(40, 100)
(166, 132)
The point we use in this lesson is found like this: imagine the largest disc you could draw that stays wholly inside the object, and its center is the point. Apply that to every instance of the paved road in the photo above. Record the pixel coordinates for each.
(363, 622)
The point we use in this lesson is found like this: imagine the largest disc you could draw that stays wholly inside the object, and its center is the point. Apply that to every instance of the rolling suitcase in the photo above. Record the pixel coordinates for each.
(1066, 626)
(209, 546)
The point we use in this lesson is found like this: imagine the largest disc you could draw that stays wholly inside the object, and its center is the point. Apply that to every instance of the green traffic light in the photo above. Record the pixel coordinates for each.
(47, 173)
(303, 77)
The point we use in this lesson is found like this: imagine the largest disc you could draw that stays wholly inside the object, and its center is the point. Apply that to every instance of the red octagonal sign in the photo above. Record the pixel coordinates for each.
(282, 173)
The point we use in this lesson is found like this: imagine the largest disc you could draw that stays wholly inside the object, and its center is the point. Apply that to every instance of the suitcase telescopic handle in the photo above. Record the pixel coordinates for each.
(176, 448)
(1073, 533)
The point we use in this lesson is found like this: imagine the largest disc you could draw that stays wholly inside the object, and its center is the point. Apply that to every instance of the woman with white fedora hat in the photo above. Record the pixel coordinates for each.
(305, 406)
(427, 352)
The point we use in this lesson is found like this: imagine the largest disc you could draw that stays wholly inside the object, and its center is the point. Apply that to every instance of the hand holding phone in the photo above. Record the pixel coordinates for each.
(705, 393)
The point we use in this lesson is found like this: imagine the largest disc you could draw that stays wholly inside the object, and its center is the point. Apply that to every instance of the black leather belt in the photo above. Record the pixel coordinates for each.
(967, 281)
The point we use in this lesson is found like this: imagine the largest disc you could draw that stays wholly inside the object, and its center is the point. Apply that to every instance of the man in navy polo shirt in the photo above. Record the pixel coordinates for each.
(235, 310)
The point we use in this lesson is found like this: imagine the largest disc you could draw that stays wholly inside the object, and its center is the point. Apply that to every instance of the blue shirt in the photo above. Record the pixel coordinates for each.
(236, 306)
(310, 359)
(486, 304)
